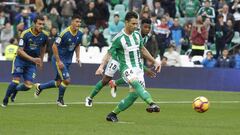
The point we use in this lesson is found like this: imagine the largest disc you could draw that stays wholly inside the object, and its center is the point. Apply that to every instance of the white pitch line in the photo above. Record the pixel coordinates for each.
(160, 102)
(124, 122)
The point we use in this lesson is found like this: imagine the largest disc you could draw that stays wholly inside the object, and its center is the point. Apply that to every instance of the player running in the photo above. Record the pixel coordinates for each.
(32, 46)
(68, 41)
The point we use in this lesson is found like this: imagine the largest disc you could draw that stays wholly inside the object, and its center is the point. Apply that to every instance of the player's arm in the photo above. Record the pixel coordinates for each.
(55, 53)
(77, 51)
(43, 51)
(24, 55)
(149, 72)
(105, 59)
(110, 53)
(149, 57)
(104, 62)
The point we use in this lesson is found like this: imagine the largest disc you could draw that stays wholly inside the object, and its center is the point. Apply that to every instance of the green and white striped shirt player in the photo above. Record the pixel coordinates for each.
(126, 49)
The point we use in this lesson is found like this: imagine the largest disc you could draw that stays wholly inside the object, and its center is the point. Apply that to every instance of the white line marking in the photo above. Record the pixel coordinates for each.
(124, 122)
(160, 102)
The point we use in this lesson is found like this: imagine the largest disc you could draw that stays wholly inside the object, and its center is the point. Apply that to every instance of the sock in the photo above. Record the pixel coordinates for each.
(23, 87)
(97, 88)
(142, 92)
(50, 84)
(11, 88)
(61, 89)
(120, 81)
(126, 102)
(14, 94)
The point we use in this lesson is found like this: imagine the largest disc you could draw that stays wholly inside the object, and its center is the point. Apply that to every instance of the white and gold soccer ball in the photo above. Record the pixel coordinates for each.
(201, 104)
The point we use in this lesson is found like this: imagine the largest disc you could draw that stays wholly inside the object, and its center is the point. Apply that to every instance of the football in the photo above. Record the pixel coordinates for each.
(200, 104)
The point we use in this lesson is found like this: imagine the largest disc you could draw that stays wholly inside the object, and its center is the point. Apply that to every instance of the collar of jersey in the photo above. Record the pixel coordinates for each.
(71, 31)
(33, 33)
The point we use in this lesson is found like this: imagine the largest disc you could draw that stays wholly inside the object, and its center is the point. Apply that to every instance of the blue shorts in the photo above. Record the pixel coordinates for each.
(24, 68)
(62, 74)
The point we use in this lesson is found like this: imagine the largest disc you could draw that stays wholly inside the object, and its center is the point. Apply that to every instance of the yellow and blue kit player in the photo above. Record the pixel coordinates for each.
(32, 46)
(66, 43)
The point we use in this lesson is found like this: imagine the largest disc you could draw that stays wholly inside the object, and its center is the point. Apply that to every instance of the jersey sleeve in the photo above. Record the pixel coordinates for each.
(113, 48)
(58, 40)
(22, 40)
(141, 41)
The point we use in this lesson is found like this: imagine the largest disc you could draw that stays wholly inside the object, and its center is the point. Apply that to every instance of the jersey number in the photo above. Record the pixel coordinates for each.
(113, 66)
(127, 73)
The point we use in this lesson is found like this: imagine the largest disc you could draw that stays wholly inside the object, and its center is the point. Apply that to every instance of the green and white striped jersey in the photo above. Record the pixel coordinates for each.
(126, 49)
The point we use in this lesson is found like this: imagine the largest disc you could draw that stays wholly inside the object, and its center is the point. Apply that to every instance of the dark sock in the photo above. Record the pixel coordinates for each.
(61, 89)
(11, 88)
(23, 87)
(50, 84)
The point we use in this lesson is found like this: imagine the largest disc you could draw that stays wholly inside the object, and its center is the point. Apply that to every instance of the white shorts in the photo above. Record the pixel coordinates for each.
(112, 68)
(134, 74)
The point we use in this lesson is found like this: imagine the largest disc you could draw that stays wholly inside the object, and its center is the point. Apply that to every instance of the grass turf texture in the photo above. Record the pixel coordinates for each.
(29, 116)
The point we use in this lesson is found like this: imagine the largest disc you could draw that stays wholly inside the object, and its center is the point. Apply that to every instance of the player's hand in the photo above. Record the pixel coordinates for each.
(150, 73)
(79, 62)
(37, 61)
(99, 71)
(157, 66)
(60, 64)
(40, 66)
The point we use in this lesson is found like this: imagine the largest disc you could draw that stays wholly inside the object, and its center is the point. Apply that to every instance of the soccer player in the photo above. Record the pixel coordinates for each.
(145, 33)
(113, 66)
(32, 46)
(68, 41)
(128, 48)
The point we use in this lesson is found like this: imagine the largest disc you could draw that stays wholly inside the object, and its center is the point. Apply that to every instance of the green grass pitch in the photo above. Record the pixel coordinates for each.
(29, 116)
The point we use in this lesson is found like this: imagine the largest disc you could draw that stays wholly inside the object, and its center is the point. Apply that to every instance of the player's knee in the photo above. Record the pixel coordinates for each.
(28, 86)
(133, 94)
(133, 80)
(15, 81)
(105, 80)
(57, 83)
(131, 90)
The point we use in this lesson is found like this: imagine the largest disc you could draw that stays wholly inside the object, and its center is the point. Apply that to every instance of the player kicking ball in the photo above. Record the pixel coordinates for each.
(128, 48)
(113, 67)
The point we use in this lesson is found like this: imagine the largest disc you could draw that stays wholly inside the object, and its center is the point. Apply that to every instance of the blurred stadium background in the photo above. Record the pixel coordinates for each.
(183, 77)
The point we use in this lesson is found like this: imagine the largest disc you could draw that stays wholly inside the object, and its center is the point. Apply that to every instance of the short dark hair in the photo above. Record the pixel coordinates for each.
(76, 17)
(146, 20)
(38, 17)
(116, 15)
(153, 14)
(131, 15)
(219, 16)
(210, 52)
